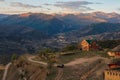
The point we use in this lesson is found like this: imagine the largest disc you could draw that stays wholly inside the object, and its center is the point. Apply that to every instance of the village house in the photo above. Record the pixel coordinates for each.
(87, 45)
(113, 72)
(115, 52)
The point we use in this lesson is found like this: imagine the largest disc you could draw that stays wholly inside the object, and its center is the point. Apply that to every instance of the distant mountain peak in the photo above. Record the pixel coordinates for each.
(25, 15)
(37, 15)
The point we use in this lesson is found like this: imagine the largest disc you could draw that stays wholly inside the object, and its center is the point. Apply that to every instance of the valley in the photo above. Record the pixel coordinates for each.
(38, 46)
(29, 32)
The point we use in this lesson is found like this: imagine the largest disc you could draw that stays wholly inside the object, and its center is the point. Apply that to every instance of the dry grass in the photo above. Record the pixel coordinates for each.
(33, 71)
(82, 54)
(39, 72)
(77, 71)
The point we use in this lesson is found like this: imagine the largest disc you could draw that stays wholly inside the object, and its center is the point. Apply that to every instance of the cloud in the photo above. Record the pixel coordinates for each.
(75, 5)
(14, 12)
(18, 4)
(47, 4)
(2, 0)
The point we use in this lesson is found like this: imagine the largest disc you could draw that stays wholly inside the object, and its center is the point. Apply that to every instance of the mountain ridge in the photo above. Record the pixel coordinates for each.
(32, 31)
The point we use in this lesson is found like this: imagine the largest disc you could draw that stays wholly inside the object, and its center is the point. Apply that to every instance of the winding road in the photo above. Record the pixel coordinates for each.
(72, 63)
(60, 71)
(6, 71)
(39, 62)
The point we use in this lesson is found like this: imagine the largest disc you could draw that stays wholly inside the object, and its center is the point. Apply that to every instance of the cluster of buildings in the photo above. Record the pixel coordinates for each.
(113, 69)
(115, 52)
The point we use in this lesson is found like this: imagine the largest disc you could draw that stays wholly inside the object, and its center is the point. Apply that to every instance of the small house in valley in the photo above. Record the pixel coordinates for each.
(87, 45)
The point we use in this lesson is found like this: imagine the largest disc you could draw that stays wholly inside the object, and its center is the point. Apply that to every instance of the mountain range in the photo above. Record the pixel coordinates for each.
(30, 31)
(64, 22)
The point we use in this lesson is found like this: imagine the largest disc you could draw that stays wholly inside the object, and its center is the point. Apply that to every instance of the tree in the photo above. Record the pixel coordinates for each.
(44, 53)
(51, 59)
(49, 56)
(14, 57)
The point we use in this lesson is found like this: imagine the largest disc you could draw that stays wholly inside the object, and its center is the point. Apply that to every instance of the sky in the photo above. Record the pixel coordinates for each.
(58, 6)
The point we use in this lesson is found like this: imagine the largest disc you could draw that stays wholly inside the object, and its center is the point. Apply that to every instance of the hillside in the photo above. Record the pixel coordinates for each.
(29, 32)
(100, 31)
(24, 69)
(102, 28)
(47, 24)
(103, 36)
(76, 66)
(53, 24)
(19, 39)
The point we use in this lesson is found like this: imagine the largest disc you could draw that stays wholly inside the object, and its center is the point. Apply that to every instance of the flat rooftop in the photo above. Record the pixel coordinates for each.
(114, 69)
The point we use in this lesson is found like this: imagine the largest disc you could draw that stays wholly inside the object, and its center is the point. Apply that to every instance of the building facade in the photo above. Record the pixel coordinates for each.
(87, 45)
(113, 71)
(115, 52)
(112, 75)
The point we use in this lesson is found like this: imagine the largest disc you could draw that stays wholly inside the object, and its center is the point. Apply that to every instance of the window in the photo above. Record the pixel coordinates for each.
(110, 73)
(113, 73)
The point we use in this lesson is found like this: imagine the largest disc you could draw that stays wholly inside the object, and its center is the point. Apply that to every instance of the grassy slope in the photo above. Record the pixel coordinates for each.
(73, 73)
(38, 72)
(33, 71)
(65, 57)
(80, 54)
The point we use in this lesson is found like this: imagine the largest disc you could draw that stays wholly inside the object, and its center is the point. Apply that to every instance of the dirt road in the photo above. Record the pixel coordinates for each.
(83, 60)
(6, 71)
(39, 62)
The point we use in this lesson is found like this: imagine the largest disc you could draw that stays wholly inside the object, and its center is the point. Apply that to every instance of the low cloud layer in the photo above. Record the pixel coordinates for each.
(18, 4)
(75, 5)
